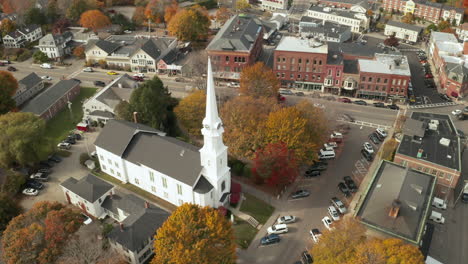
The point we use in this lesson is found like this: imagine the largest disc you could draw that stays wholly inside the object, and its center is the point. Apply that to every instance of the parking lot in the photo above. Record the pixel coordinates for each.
(310, 210)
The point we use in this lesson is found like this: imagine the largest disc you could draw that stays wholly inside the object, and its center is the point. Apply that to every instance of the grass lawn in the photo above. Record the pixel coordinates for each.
(243, 232)
(256, 208)
(59, 126)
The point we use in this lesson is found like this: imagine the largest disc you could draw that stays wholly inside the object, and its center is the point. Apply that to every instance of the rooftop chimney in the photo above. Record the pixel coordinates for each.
(395, 208)
(146, 204)
(110, 195)
(135, 119)
(121, 227)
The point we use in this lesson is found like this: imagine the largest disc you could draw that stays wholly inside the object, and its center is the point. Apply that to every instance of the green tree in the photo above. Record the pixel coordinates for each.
(52, 11)
(8, 87)
(40, 57)
(23, 139)
(7, 26)
(242, 5)
(13, 182)
(190, 112)
(35, 16)
(195, 235)
(190, 24)
(122, 111)
(154, 105)
(8, 210)
(78, 7)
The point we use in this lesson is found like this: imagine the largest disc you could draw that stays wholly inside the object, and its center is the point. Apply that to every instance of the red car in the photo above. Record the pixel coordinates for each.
(423, 61)
(429, 76)
(344, 100)
(138, 79)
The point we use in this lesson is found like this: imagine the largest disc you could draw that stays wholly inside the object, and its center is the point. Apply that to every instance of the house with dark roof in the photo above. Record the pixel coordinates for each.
(236, 45)
(137, 219)
(56, 46)
(20, 37)
(166, 167)
(397, 202)
(138, 54)
(403, 31)
(28, 87)
(100, 107)
(431, 144)
(54, 99)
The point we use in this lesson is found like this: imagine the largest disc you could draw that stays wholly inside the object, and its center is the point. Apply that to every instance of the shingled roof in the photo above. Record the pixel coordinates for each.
(89, 187)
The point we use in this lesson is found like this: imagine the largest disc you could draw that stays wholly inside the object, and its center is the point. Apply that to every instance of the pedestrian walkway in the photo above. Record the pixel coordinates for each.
(246, 217)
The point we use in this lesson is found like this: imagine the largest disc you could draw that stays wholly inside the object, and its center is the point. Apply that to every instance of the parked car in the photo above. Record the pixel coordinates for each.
(88, 69)
(287, 219)
(306, 258)
(368, 147)
(70, 140)
(381, 132)
(393, 107)
(285, 92)
(350, 183)
(99, 83)
(139, 74)
(338, 204)
(30, 191)
(312, 173)
(360, 102)
(336, 135)
(277, 229)
(374, 139)
(319, 105)
(344, 100)
(112, 73)
(367, 155)
(235, 85)
(327, 222)
(11, 68)
(300, 194)
(34, 184)
(342, 187)
(332, 144)
(75, 136)
(379, 104)
(179, 79)
(39, 176)
(138, 79)
(44, 170)
(46, 66)
(46, 77)
(457, 112)
(46, 164)
(333, 213)
(270, 239)
(319, 167)
(300, 94)
(64, 145)
(315, 233)
(86, 219)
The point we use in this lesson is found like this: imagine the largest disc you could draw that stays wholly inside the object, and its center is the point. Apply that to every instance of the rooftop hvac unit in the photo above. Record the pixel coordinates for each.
(420, 152)
(433, 125)
(444, 142)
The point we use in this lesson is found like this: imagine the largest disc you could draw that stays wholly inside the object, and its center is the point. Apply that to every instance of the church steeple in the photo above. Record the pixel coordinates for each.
(211, 122)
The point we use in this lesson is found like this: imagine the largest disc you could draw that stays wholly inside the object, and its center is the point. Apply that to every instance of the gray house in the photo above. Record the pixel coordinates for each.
(28, 87)
(56, 46)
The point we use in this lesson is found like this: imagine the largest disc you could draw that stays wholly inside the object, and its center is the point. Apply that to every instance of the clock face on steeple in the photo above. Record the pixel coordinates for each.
(207, 126)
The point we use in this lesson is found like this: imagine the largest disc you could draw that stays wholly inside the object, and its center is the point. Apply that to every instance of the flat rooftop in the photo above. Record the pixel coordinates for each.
(302, 45)
(387, 64)
(432, 150)
(412, 189)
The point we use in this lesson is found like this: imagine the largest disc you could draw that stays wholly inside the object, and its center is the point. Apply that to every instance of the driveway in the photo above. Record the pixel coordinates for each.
(69, 167)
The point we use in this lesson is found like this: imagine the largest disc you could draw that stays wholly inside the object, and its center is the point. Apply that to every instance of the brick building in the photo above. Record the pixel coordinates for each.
(385, 77)
(431, 144)
(345, 3)
(428, 10)
(334, 72)
(237, 44)
(300, 63)
(54, 99)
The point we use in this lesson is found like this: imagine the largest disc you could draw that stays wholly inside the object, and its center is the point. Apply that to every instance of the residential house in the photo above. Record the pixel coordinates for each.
(403, 31)
(28, 87)
(462, 31)
(54, 99)
(236, 45)
(56, 46)
(356, 20)
(273, 5)
(20, 37)
(166, 167)
(324, 30)
(397, 202)
(431, 144)
(100, 107)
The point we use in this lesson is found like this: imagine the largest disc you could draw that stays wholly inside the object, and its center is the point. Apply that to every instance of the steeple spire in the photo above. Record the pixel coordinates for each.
(211, 120)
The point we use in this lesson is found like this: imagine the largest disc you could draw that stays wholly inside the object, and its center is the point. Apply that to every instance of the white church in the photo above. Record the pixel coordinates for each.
(166, 167)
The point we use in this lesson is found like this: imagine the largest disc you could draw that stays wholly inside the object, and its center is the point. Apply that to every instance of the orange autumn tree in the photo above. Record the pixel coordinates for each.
(222, 15)
(195, 235)
(94, 19)
(7, 26)
(190, 24)
(79, 52)
(170, 11)
(139, 17)
(190, 112)
(155, 10)
(259, 81)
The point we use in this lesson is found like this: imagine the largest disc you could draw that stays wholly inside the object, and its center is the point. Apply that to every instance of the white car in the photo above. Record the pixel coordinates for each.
(233, 84)
(30, 191)
(330, 145)
(287, 219)
(333, 213)
(277, 229)
(142, 75)
(127, 31)
(315, 233)
(46, 66)
(336, 135)
(86, 219)
(327, 222)
(64, 145)
(456, 112)
(338, 204)
(368, 147)
(48, 78)
(88, 69)
(318, 105)
(381, 132)
(285, 92)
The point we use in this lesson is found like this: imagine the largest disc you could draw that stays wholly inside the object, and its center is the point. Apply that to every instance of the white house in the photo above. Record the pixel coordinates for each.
(356, 20)
(403, 31)
(462, 31)
(101, 106)
(273, 5)
(56, 46)
(166, 167)
(138, 220)
(20, 37)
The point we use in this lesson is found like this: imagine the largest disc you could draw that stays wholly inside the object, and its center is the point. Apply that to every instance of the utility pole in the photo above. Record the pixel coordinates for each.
(70, 108)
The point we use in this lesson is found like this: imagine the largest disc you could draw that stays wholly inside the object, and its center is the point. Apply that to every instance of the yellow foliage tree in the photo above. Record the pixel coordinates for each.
(259, 81)
(190, 112)
(242, 5)
(195, 235)
(190, 24)
(408, 18)
(94, 19)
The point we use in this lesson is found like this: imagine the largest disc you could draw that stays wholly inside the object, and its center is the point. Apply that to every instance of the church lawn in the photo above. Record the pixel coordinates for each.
(243, 232)
(256, 208)
(61, 124)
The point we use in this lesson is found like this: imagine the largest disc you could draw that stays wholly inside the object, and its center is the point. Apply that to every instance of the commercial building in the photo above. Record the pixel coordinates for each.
(431, 144)
(273, 5)
(28, 87)
(324, 30)
(356, 20)
(403, 31)
(300, 63)
(397, 202)
(237, 45)
(462, 31)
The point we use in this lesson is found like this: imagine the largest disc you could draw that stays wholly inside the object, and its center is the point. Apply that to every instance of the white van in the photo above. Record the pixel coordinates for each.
(326, 154)
(437, 217)
(439, 203)
(46, 66)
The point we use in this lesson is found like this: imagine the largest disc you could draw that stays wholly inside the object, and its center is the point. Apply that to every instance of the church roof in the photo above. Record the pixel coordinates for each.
(203, 186)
